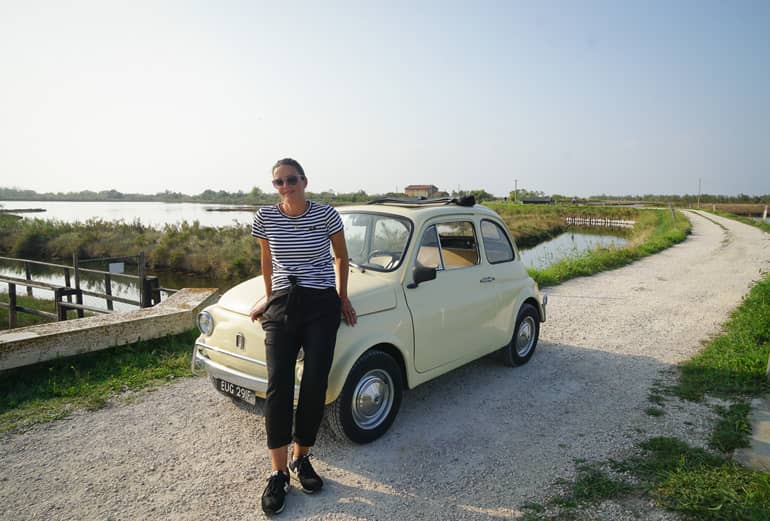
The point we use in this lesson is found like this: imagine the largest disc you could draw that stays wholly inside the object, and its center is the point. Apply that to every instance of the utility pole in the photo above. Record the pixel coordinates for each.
(699, 193)
(515, 189)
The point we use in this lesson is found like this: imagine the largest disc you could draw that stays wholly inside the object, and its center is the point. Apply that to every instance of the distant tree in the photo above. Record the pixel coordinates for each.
(481, 195)
(523, 193)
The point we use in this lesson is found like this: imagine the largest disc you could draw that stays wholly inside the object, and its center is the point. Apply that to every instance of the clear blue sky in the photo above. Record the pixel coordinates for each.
(572, 97)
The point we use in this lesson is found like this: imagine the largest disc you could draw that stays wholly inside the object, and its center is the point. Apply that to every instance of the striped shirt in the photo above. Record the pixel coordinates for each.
(299, 245)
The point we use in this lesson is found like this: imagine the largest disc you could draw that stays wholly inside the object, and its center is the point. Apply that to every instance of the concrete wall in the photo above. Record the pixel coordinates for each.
(33, 344)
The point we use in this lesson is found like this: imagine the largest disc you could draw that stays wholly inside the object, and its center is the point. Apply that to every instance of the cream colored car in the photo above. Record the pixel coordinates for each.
(435, 285)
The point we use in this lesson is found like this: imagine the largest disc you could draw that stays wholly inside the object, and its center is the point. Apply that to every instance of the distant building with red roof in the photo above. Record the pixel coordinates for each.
(420, 190)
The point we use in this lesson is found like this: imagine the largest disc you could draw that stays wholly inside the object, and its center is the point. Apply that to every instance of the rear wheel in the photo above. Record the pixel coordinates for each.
(525, 336)
(369, 400)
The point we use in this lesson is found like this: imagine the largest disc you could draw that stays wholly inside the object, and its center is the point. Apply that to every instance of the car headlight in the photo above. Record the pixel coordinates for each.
(205, 322)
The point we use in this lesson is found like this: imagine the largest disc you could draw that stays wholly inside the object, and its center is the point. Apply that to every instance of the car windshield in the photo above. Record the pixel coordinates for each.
(376, 241)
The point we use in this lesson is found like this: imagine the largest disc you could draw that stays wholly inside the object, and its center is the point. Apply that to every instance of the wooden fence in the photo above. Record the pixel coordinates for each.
(599, 221)
(149, 288)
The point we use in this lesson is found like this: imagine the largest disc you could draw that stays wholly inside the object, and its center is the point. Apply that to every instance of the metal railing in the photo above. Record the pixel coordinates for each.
(149, 288)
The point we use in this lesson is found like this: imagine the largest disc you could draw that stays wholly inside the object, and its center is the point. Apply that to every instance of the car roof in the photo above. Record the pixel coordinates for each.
(418, 211)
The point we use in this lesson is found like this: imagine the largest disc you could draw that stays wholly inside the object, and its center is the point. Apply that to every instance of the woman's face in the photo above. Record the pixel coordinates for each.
(283, 176)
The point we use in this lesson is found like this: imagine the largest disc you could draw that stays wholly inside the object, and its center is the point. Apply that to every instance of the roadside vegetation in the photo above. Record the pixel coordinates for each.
(52, 390)
(742, 218)
(654, 231)
(701, 484)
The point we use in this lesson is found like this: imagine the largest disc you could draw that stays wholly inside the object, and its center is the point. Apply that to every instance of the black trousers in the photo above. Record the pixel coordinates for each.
(307, 318)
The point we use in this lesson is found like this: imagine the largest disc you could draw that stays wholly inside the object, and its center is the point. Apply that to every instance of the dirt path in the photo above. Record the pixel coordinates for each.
(475, 444)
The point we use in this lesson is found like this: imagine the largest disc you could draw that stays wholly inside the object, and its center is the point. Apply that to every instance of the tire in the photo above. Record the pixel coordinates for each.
(525, 336)
(369, 400)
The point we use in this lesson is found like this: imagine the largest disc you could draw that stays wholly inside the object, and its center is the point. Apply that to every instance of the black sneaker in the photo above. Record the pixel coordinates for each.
(274, 496)
(309, 480)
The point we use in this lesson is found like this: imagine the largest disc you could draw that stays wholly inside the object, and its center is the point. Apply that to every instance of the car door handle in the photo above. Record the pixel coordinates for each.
(487, 279)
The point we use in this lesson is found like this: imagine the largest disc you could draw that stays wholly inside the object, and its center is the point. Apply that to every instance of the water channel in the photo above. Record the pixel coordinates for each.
(569, 244)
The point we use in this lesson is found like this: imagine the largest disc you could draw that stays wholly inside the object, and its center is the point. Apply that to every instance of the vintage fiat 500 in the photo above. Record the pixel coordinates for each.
(435, 284)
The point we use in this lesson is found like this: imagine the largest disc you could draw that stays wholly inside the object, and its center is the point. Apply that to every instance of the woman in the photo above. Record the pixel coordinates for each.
(301, 309)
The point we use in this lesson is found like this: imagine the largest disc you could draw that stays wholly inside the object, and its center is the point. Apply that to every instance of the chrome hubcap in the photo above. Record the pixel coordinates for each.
(372, 399)
(525, 337)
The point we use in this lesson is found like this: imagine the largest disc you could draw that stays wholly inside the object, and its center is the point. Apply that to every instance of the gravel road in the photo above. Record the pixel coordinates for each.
(477, 443)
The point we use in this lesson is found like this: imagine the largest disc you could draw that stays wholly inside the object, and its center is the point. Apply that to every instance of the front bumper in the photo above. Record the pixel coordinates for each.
(201, 362)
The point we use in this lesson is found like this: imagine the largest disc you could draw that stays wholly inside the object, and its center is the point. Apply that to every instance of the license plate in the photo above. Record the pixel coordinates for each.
(247, 395)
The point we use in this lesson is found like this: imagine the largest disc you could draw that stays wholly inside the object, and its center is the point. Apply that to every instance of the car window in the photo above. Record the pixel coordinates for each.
(458, 244)
(496, 243)
(429, 254)
(376, 241)
(355, 235)
(389, 235)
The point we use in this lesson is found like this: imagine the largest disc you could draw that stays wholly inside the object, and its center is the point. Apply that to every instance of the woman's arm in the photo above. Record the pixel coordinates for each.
(266, 260)
(342, 267)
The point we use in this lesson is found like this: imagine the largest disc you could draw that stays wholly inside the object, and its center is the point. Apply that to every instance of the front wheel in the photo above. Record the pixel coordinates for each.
(369, 400)
(525, 335)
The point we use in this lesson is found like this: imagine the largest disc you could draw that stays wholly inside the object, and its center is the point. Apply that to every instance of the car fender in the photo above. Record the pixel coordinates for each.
(352, 342)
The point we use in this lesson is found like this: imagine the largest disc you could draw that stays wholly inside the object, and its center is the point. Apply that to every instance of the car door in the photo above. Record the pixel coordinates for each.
(509, 274)
(453, 315)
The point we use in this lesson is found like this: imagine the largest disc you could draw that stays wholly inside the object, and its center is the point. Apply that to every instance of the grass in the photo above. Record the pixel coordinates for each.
(53, 390)
(733, 429)
(654, 231)
(699, 483)
(735, 362)
(654, 411)
(26, 319)
(591, 486)
(692, 481)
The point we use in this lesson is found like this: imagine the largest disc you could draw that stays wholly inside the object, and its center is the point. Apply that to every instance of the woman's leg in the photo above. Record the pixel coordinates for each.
(319, 335)
(281, 348)
(278, 458)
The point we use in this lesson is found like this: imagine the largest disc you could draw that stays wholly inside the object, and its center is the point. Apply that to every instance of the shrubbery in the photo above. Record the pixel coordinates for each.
(225, 252)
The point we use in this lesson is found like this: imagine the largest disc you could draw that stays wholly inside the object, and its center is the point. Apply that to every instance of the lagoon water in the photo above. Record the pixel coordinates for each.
(152, 214)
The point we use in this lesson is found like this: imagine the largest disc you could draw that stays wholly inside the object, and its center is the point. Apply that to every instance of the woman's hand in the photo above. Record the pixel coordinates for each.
(259, 309)
(348, 313)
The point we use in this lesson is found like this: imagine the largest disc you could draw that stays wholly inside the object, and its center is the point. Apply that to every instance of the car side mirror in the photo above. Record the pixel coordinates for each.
(422, 274)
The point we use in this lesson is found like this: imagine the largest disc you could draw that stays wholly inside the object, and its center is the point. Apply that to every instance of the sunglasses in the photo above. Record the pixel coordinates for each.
(290, 180)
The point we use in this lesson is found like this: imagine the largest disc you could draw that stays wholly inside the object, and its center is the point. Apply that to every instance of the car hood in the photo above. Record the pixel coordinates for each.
(369, 292)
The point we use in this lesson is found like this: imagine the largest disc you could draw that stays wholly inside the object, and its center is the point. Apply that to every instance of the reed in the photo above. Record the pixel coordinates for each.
(228, 253)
